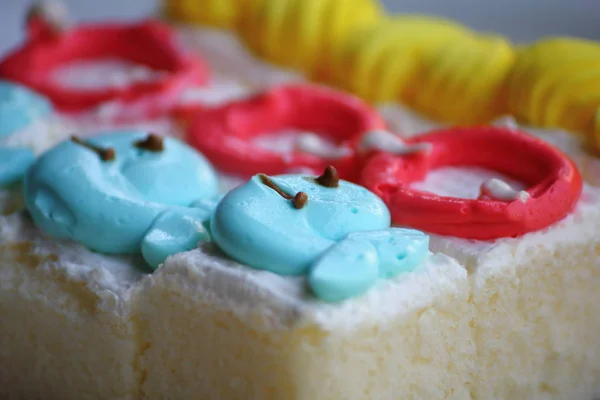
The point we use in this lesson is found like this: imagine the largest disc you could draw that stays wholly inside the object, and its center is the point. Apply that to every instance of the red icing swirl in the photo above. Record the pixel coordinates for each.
(224, 135)
(554, 183)
(150, 43)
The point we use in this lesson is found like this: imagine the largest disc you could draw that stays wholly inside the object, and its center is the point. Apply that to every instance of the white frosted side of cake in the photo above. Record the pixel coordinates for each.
(536, 299)
(219, 330)
(67, 328)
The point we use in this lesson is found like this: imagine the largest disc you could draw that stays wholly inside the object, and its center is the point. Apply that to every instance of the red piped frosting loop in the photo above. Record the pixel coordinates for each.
(225, 134)
(150, 43)
(554, 183)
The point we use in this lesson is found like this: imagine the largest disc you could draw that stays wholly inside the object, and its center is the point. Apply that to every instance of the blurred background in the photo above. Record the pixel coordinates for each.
(521, 20)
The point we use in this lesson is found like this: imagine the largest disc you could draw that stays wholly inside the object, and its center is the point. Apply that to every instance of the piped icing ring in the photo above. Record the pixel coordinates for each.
(225, 134)
(20, 108)
(335, 232)
(149, 43)
(554, 183)
(123, 193)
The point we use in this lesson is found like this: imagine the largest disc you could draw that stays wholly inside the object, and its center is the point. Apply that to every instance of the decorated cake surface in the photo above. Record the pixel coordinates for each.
(188, 221)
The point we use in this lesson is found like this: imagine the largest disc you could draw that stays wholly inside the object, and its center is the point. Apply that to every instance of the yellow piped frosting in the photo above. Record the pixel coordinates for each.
(556, 83)
(218, 13)
(299, 33)
(463, 82)
(378, 62)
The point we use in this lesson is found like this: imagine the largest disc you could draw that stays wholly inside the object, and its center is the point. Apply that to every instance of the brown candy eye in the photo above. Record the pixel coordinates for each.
(329, 178)
(152, 142)
(105, 154)
(300, 200)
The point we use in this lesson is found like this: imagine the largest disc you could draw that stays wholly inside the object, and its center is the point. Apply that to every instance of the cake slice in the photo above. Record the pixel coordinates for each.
(324, 301)
(67, 326)
(535, 298)
(222, 330)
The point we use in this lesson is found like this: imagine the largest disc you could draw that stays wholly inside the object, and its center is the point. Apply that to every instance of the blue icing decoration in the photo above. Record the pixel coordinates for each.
(348, 269)
(354, 264)
(208, 206)
(172, 232)
(19, 107)
(109, 206)
(13, 164)
(255, 225)
(399, 250)
(341, 238)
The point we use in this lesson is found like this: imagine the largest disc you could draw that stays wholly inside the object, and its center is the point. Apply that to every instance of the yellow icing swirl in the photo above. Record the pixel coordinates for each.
(556, 83)
(299, 33)
(463, 82)
(378, 62)
(218, 13)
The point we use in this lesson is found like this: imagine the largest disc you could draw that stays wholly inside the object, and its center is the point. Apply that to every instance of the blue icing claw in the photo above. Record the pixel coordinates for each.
(399, 250)
(19, 107)
(108, 192)
(348, 269)
(173, 232)
(14, 163)
(354, 264)
(336, 232)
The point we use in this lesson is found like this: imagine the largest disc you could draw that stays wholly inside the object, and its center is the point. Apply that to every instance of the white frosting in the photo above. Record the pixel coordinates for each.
(320, 147)
(404, 121)
(499, 190)
(87, 125)
(244, 290)
(103, 74)
(461, 182)
(109, 276)
(218, 92)
(579, 227)
(226, 54)
(384, 140)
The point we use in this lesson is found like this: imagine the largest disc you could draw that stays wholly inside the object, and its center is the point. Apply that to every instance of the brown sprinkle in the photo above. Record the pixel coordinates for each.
(107, 154)
(300, 200)
(153, 142)
(329, 178)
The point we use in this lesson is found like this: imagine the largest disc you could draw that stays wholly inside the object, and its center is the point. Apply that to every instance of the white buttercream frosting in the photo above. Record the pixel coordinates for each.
(390, 142)
(103, 74)
(244, 290)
